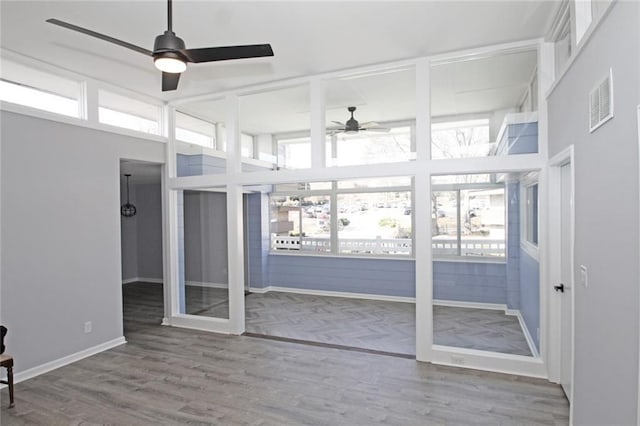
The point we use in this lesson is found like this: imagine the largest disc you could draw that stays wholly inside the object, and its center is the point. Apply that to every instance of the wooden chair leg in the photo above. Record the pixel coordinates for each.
(10, 380)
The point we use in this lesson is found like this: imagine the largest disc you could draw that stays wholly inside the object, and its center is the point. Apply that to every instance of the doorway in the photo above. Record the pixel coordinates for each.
(141, 244)
(561, 263)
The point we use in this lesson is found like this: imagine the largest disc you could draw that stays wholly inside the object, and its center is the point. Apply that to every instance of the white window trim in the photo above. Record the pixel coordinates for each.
(527, 246)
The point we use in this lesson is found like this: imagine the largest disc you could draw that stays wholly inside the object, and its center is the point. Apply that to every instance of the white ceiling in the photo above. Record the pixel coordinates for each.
(308, 37)
(140, 171)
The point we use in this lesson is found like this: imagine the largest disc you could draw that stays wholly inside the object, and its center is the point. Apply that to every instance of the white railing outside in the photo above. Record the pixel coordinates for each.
(449, 247)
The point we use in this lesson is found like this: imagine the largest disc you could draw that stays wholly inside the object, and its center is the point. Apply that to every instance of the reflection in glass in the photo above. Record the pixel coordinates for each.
(204, 284)
(485, 106)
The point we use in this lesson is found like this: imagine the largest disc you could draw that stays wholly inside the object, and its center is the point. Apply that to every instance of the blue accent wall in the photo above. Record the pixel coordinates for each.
(523, 138)
(200, 164)
(530, 294)
(479, 282)
(513, 245)
(459, 281)
(369, 276)
(257, 241)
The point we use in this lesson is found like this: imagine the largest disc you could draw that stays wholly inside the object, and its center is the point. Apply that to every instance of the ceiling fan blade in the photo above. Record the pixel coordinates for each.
(224, 53)
(375, 129)
(100, 36)
(339, 123)
(170, 81)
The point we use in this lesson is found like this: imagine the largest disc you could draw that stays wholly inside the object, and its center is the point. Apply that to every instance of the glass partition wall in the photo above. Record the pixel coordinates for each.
(202, 239)
(371, 117)
(485, 281)
(381, 218)
(485, 276)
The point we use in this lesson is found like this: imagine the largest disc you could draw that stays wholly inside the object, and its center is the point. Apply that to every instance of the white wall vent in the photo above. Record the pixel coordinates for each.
(601, 102)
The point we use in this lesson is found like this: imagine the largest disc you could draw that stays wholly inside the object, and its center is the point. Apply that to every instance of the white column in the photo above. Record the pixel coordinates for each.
(317, 91)
(235, 248)
(89, 108)
(170, 223)
(423, 111)
(234, 146)
(424, 267)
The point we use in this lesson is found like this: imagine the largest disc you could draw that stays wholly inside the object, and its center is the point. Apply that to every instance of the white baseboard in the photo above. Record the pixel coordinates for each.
(61, 362)
(527, 335)
(474, 305)
(206, 284)
(140, 279)
(334, 294)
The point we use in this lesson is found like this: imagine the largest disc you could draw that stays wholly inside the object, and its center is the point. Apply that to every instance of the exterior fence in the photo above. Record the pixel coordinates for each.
(378, 245)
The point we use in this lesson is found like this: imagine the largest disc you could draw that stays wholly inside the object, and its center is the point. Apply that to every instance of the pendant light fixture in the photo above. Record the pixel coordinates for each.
(128, 209)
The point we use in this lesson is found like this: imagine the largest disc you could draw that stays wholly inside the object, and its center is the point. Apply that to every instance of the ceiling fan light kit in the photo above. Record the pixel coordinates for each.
(170, 54)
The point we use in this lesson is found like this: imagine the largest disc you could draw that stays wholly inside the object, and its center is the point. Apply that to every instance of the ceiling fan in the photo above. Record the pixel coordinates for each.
(170, 55)
(353, 126)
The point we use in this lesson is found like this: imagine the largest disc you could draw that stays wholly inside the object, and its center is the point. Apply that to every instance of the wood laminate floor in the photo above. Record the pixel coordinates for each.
(172, 376)
(369, 324)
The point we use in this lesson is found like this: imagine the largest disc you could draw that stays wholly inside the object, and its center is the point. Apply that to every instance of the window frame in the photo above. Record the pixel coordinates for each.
(527, 182)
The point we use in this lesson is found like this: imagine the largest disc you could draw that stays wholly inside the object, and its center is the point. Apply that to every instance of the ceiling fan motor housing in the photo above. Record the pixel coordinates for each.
(168, 45)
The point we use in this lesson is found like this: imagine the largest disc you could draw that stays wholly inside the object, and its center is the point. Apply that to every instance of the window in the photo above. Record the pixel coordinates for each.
(121, 111)
(294, 153)
(40, 90)
(468, 220)
(301, 223)
(372, 148)
(460, 139)
(195, 130)
(373, 217)
(246, 143)
(531, 214)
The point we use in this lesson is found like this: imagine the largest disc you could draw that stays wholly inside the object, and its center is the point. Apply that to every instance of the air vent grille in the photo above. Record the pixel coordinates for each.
(601, 103)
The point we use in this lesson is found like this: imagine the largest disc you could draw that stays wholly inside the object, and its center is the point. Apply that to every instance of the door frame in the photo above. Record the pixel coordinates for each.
(638, 123)
(554, 354)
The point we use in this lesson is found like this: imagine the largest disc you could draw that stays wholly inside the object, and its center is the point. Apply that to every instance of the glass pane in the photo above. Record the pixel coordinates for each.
(369, 148)
(195, 130)
(277, 119)
(375, 183)
(468, 218)
(23, 85)
(484, 107)
(375, 223)
(532, 214)
(370, 117)
(121, 111)
(300, 223)
(485, 284)
(201, 138)
(204, 285)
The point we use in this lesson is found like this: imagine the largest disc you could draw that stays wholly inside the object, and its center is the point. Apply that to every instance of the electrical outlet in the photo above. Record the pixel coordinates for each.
(88, 327)
(456, 359)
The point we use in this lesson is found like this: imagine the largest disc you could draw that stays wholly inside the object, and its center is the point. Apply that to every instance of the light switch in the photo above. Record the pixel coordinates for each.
(584, 277)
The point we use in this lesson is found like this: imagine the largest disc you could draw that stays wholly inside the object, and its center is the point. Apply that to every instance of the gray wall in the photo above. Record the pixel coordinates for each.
(606, 227)
(149, 230)
(61, 235)
(129, 236)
